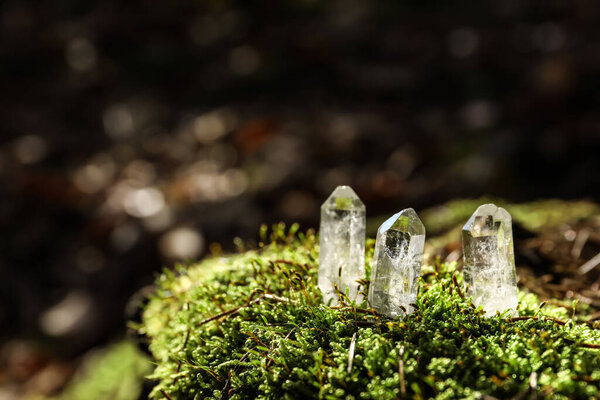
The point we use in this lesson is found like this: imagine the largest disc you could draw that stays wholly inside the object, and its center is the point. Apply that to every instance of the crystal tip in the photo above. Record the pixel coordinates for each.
(343, 198)
(493, 210)
(406, 220)
(485, 211)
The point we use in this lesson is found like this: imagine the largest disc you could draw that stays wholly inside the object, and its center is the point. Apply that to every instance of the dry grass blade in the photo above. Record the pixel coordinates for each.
(401, 372)
(582, 237)
(533, 383)
(351, 353)
(590, 265)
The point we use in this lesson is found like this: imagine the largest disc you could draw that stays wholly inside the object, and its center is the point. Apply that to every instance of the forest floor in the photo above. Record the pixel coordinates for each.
(263, 318)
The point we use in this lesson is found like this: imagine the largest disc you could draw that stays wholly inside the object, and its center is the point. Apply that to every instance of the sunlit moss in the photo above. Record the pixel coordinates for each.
(533, 216)
(252, 325)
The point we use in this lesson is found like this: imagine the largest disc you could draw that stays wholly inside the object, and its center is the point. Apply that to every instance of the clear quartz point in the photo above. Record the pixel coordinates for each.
(489, 262)
(397, 264)
(342, 246)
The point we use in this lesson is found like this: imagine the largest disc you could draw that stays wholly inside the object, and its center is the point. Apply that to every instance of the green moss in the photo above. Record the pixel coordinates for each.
(343, 203)
(116, 372)
(252, 325)
(533, 216)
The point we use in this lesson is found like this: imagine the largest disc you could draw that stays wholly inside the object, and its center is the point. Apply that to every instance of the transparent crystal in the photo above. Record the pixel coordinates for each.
(397, 264)
(342, 245)
(489, 262)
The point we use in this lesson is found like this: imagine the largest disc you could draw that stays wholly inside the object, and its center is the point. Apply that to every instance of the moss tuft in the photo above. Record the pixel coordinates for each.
(252, 325)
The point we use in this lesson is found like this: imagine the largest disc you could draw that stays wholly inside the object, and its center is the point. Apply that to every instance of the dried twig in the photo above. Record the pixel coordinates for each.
(166, 395)
(589, 345)
(237, 309)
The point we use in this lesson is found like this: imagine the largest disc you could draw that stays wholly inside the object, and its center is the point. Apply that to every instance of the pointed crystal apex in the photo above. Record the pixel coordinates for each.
(397, 264)
(342, 246)
(489, 263)
(487, 219)
(406, 221)
(343, 198)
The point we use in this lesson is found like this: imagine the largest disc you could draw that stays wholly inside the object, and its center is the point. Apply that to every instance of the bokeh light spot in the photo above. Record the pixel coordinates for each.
(244, 60)
(64, 317)
(181, 243)
(30, 149)
(81, 54)
(142, 203)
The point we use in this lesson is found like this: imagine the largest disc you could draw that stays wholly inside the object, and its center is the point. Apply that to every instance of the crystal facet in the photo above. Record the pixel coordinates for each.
(397, 264)
(342, 245)
(489, 262)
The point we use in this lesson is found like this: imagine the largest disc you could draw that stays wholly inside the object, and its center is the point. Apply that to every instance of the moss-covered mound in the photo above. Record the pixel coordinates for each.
(253, 325)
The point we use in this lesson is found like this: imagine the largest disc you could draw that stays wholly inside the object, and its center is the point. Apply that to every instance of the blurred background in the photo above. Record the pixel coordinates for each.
(137, 134)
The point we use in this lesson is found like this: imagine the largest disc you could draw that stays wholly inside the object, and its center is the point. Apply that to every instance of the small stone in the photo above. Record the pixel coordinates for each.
(342, 246)
(397, 264)
(489, 261)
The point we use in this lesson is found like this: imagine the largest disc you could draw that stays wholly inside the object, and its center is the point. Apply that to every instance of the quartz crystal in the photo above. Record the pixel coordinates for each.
(397, 264)
(342, 245)
(489, 262)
